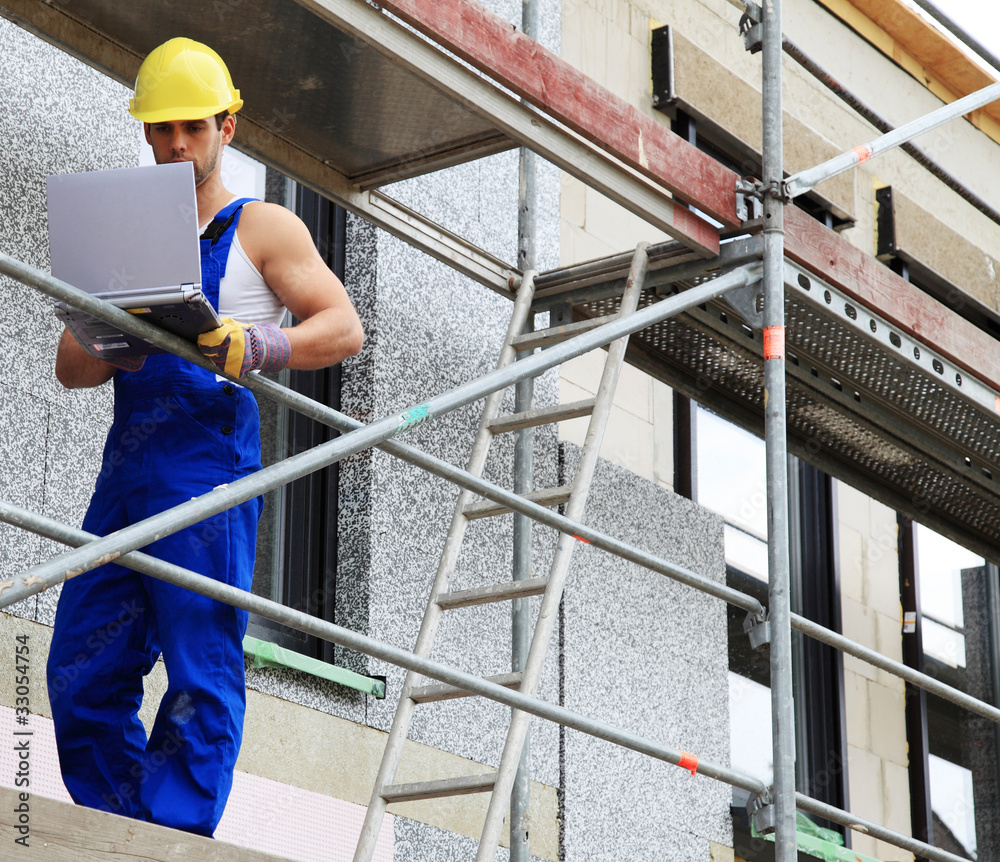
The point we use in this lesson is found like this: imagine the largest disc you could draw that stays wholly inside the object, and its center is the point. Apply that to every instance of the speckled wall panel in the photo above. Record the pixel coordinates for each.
(645, 653)
(418, 842)
(45, 131)
(427, 331)
(357, 399)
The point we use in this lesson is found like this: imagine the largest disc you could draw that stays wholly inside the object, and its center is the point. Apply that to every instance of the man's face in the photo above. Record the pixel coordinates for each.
(197, 141)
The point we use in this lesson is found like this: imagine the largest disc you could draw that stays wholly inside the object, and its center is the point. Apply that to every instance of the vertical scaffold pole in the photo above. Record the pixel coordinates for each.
(782, 712)
(524, 468)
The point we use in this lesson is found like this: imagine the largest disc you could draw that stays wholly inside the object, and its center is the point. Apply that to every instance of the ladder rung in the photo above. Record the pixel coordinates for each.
(436, 789)
(543, 416)
(441, 691)
(545, 497)
(547, 337)
(496, 593)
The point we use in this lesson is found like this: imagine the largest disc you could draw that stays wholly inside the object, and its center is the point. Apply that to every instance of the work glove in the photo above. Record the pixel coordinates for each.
(239, 348)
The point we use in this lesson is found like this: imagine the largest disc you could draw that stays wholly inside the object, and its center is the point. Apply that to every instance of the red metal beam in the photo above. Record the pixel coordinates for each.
(874, 285)
(548, 82)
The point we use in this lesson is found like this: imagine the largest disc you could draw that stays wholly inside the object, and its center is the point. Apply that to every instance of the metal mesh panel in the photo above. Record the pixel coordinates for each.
(854, 408)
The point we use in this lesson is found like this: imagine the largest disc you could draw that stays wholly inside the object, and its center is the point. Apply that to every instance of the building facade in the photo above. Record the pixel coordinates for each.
(358, 545)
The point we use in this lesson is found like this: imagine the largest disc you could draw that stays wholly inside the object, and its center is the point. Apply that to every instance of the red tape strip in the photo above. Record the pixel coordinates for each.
(774, 342)
(688, 761)
(581, 539)
(863, 153)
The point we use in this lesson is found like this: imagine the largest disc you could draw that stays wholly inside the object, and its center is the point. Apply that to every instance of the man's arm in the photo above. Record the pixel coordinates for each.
(283, 250)
(75, 368)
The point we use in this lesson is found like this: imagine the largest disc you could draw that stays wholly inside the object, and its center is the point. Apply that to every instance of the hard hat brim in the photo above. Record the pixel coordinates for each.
(169, 115)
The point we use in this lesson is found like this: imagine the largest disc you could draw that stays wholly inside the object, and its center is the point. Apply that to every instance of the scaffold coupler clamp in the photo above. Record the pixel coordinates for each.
(749, 199)
(758, 630)
(760, 809)
(750, 27)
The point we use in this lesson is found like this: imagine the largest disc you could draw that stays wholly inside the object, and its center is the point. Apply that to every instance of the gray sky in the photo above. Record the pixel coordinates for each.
(980, 18)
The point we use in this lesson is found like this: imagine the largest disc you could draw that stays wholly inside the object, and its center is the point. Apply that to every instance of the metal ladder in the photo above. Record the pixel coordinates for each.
(574, 495)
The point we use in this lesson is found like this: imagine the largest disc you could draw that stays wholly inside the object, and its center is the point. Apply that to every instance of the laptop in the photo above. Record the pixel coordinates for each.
(129, 237)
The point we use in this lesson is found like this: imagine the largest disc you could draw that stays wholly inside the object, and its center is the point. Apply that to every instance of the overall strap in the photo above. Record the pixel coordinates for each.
(215, 242)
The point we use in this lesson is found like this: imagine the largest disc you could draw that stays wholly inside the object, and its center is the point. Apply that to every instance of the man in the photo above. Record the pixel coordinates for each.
(179, 431)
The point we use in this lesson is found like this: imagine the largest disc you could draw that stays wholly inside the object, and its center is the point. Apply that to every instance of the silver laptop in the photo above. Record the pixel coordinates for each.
(129, 237)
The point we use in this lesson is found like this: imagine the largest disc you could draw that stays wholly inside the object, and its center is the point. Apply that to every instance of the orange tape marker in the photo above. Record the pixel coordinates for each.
(581, 539)
(863, 153)
(774, 342)
(688, 761)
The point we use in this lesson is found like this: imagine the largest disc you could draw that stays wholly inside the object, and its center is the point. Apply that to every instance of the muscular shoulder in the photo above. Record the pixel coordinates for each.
(266, 229)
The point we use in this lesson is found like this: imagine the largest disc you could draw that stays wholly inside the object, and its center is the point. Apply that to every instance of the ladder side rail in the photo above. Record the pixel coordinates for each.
(403, 716)
(549, 611)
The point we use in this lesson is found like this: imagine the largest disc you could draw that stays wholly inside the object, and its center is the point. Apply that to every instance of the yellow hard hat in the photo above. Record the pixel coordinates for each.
(183, 80)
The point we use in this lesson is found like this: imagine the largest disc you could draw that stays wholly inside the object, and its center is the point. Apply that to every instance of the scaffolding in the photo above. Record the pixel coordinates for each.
(792, 277)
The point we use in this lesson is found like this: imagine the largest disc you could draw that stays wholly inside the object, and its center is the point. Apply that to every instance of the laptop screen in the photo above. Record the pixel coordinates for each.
(125, 231)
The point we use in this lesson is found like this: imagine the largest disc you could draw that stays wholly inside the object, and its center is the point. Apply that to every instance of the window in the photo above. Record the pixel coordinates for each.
(728, 476)
(951, 599)
(737, 156)
(297, 538)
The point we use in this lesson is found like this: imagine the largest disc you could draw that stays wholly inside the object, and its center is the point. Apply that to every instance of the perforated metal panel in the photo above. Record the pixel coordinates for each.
(865, 402)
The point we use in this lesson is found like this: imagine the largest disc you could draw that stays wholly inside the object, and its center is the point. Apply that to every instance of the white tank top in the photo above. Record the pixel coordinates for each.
(243, 293)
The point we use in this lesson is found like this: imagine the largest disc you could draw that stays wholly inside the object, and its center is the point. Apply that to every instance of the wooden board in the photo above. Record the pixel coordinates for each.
(547, 81)
(60, 832)
(902, 304)
(919, 47)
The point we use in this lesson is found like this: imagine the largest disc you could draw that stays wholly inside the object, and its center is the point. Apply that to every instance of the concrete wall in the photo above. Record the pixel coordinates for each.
(50, 439)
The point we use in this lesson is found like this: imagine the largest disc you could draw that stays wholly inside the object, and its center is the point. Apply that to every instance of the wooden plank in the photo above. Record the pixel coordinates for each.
(545, 80)
(61, 832)
(911, 41)
(874, 285)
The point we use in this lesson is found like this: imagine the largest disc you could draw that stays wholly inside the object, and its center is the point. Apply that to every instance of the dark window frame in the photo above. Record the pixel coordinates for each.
(821, 721)
(924, 713)
(309, 548)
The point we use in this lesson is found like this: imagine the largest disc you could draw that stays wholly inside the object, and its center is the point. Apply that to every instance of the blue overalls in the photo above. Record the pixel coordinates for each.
(178, 432)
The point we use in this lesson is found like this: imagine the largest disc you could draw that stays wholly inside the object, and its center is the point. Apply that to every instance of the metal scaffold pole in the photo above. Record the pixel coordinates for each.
(782, 711)
(524, 469)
